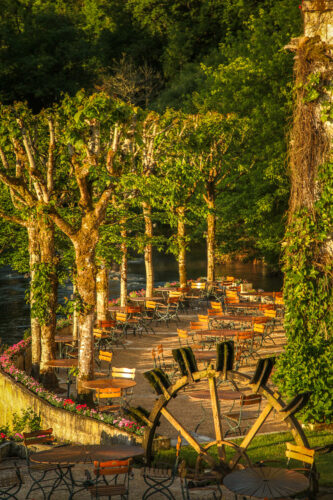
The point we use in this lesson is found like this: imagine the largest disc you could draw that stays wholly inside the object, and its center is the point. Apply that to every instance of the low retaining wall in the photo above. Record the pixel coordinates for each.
(67, 426)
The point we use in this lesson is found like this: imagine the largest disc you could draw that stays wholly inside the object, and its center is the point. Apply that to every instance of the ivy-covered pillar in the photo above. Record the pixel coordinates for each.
(307, 364)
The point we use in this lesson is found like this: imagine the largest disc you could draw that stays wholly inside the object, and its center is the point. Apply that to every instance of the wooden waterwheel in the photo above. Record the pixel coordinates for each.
(223, 371)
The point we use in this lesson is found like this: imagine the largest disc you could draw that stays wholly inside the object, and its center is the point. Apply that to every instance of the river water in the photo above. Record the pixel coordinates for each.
(14, 311)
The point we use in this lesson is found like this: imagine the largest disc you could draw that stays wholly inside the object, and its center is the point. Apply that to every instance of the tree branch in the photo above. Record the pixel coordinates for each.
(50, 161)
(14, 219)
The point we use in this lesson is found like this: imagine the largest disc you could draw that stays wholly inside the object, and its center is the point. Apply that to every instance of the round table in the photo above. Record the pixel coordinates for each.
(66, 363)
(62, 363)
(266, 482)
(75, 454)
(68, 455)
(109, 383)
(145, 299)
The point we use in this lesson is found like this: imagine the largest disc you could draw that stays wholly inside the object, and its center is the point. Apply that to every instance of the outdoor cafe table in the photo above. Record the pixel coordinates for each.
(109, 383)
(62, 339)
(266, 482)
(75, 454)
(145, 299)
(67, 364)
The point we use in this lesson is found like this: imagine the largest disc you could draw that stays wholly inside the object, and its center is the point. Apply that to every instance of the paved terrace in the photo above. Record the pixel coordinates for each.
(138, 354)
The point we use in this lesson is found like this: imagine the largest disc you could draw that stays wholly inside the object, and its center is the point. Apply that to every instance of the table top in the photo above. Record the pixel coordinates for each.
(71, 454)
(117, 309)
(109, 383)
(266, 482)
(218, 333)
(233, 317)
(62, 363)
(63, 338)
(145, 299)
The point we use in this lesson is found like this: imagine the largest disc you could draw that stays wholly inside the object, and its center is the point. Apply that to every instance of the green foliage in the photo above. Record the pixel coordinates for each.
(42, 291)
(306, 364)
(27, 421)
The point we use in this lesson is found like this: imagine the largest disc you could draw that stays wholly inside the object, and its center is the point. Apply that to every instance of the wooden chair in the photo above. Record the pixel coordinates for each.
(126, 322)
(109, 394)
(104, 356)
(116, 485)
(128, 373)
(187, 340)
(38, 472)
(161, 476)
(306, 456)
(240, 421)
(245, 347)
(102, 339)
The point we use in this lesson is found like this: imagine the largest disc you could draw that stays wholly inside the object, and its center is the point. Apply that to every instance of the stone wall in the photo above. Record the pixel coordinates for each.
(67, 426)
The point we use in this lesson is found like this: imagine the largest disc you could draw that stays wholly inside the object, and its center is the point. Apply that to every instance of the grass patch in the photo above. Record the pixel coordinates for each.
(269, 447)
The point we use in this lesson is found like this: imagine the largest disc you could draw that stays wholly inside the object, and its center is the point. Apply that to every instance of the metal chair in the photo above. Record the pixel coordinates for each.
(107, 357)
(160, 477)
(240, 421)
(113, 486)
(10, 482)
(128, 373)
(109, 394)
(38, 472)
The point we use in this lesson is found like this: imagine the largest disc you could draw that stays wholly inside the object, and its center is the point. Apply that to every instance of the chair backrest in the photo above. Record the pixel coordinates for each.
(260, 319)
(38, 437)
(106, 324)
(231, 294)
(199, 325)
(112, 467)
(203, 318)
(263, 307)
(160, 350)
(251, 399)
(243, 336)
(279, 301)
(133, 309)
(216, 305)
(231, 300)
(173, 300)
(128, 373)
(197, 285)
(270, 313)
(105, 356)
(174, 293)
(182, 334)
(300, 453)
(277, 294)
(230, 278)
(259, 327)
(108, 393)
(121, 317)
(150, 304)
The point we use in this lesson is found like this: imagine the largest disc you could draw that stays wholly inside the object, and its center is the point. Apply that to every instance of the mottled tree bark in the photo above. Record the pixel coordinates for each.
(181, 238)
(123, 270)
(211, 231)
(34, 259)
(75, 312)
(148, 252)
(85, 245)
(47, 252)
(102, 293)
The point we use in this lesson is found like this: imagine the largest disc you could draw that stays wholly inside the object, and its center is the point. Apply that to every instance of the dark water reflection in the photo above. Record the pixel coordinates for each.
(14, 311)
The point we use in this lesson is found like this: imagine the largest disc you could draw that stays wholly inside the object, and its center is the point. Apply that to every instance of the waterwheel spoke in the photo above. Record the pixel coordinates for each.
(217, 417)
(186, 435)
(251, 433)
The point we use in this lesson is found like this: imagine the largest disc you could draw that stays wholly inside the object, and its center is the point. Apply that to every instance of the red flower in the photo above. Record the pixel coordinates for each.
(68, 402)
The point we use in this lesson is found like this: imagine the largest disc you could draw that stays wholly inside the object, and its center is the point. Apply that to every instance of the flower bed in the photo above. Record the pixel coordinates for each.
(8, 366)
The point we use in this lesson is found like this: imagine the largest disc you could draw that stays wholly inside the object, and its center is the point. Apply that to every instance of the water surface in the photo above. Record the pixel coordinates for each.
(14, 311)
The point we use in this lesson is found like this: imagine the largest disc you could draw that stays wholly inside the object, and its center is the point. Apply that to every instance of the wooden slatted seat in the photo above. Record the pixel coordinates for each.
(115, 469)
